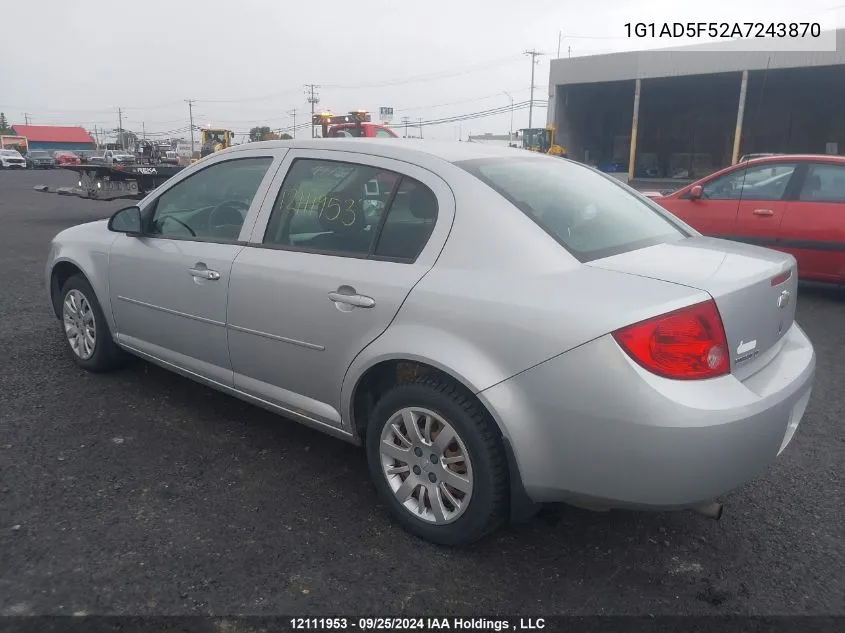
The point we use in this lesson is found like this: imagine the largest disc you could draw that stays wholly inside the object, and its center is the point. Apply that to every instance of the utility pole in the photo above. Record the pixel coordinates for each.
(190, 103)
(559, 35)
(406, 120)
(534, 55)
(313, 98)
(143, 130)
(26, 117)
(293, 114)
(420, 127)
(120, 127)
(510, 129)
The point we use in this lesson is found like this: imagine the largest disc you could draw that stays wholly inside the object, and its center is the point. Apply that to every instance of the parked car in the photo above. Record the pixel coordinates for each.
(98, 157)
(63, 157)
(792, 203)
(39, 159)
(118, 157)
(11, 159)
(505, 330)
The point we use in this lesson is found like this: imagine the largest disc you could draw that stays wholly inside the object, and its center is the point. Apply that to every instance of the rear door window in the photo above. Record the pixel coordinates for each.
(824, 183)
(588, 213)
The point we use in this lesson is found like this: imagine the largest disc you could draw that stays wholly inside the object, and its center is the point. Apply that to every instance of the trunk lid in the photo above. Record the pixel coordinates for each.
(755, 299)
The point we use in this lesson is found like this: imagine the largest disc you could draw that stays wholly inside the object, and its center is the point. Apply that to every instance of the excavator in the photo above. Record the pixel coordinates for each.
(542, 139)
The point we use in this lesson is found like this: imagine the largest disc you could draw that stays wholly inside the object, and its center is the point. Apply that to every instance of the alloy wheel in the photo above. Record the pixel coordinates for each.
(80, 324)
(427, 465)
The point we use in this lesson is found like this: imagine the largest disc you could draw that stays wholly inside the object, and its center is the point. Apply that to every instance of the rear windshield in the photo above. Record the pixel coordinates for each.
(588, 213)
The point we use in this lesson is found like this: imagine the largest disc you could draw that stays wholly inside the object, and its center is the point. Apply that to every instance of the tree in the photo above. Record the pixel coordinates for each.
(4, 124)
(257, 133)
(285, 136)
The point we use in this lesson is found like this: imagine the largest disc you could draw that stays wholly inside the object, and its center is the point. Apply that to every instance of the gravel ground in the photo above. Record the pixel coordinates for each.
(140, 492)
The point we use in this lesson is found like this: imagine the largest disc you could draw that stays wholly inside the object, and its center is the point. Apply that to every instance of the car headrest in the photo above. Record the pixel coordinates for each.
(350, 218)
(422, 203)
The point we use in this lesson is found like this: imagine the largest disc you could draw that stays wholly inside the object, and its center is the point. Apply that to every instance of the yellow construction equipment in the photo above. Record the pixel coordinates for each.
(215, 139)
(542, 139)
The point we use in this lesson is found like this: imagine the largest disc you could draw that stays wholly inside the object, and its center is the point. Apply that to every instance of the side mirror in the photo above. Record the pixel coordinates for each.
(127, 220)
(696, 192)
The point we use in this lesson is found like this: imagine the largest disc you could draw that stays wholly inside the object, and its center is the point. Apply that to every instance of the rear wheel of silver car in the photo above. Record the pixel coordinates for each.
(85, 328)
(437, 461)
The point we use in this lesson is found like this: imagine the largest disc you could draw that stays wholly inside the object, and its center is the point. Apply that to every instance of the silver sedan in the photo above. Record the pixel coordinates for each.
(498, 329)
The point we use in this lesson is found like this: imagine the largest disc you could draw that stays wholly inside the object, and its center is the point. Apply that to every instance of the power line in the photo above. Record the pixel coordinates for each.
(429, 76)
(451, 103)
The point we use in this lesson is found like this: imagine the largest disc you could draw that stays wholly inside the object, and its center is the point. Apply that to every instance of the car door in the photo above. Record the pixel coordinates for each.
(326, 270)
(714, 213)
(168, 287)
(813, 227)
(763, 201)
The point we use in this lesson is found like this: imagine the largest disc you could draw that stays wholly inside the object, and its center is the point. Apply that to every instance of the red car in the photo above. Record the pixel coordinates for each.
(66, 158)
(791, 203)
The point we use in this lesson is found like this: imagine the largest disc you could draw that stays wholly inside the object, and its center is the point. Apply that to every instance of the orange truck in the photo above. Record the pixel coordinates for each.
(15, 142)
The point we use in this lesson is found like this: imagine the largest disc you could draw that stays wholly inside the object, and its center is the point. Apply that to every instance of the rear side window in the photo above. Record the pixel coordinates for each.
(824, 183)
(409, 223)
(349, 209)
(586, 212)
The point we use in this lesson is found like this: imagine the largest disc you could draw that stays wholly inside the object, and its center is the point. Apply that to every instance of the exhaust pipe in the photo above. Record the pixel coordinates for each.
(712, 510)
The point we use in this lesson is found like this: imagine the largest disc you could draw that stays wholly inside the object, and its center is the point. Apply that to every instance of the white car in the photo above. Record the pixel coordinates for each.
(118, 157)
(10, 158)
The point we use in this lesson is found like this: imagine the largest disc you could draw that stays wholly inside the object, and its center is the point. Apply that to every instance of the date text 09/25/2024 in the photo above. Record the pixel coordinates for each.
(417, 624)
(745, 30)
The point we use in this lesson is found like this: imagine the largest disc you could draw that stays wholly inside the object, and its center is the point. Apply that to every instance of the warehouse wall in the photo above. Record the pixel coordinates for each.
(687, 123)
(50, 146)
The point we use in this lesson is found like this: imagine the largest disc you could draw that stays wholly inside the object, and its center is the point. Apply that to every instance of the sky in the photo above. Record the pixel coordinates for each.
(246, 62)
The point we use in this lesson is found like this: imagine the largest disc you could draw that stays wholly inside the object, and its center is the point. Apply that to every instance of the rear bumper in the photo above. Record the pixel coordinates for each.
(593, 428)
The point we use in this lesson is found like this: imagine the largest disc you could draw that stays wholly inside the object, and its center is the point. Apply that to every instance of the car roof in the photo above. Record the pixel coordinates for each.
(449, 151)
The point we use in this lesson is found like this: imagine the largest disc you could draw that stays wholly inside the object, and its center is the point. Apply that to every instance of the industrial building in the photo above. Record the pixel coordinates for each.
(53, 137)
(684, 113)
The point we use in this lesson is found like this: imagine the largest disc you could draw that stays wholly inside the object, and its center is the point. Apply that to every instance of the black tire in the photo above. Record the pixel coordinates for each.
(107, 355)
(488, 504)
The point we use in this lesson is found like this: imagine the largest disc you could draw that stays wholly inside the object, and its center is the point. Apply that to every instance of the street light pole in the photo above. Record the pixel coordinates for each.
(510, 129)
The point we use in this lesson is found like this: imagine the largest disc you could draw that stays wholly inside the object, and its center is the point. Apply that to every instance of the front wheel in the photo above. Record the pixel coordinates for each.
(438, 462)
(86, 332)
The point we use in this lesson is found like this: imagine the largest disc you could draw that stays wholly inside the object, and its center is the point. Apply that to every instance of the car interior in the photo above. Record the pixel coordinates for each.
(352, 226)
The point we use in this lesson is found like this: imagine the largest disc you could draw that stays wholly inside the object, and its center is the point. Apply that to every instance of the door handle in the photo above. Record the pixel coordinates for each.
(204, 273)
(358, 301)
(763, 212)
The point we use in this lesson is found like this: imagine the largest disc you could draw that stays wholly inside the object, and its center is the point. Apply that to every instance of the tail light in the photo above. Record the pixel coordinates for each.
(687, 344)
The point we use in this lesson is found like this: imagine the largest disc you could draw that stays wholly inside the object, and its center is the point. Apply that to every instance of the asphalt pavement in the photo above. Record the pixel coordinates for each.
(140, 492)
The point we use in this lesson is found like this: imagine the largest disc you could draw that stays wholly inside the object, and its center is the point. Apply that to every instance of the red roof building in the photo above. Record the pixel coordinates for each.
(54, 137)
